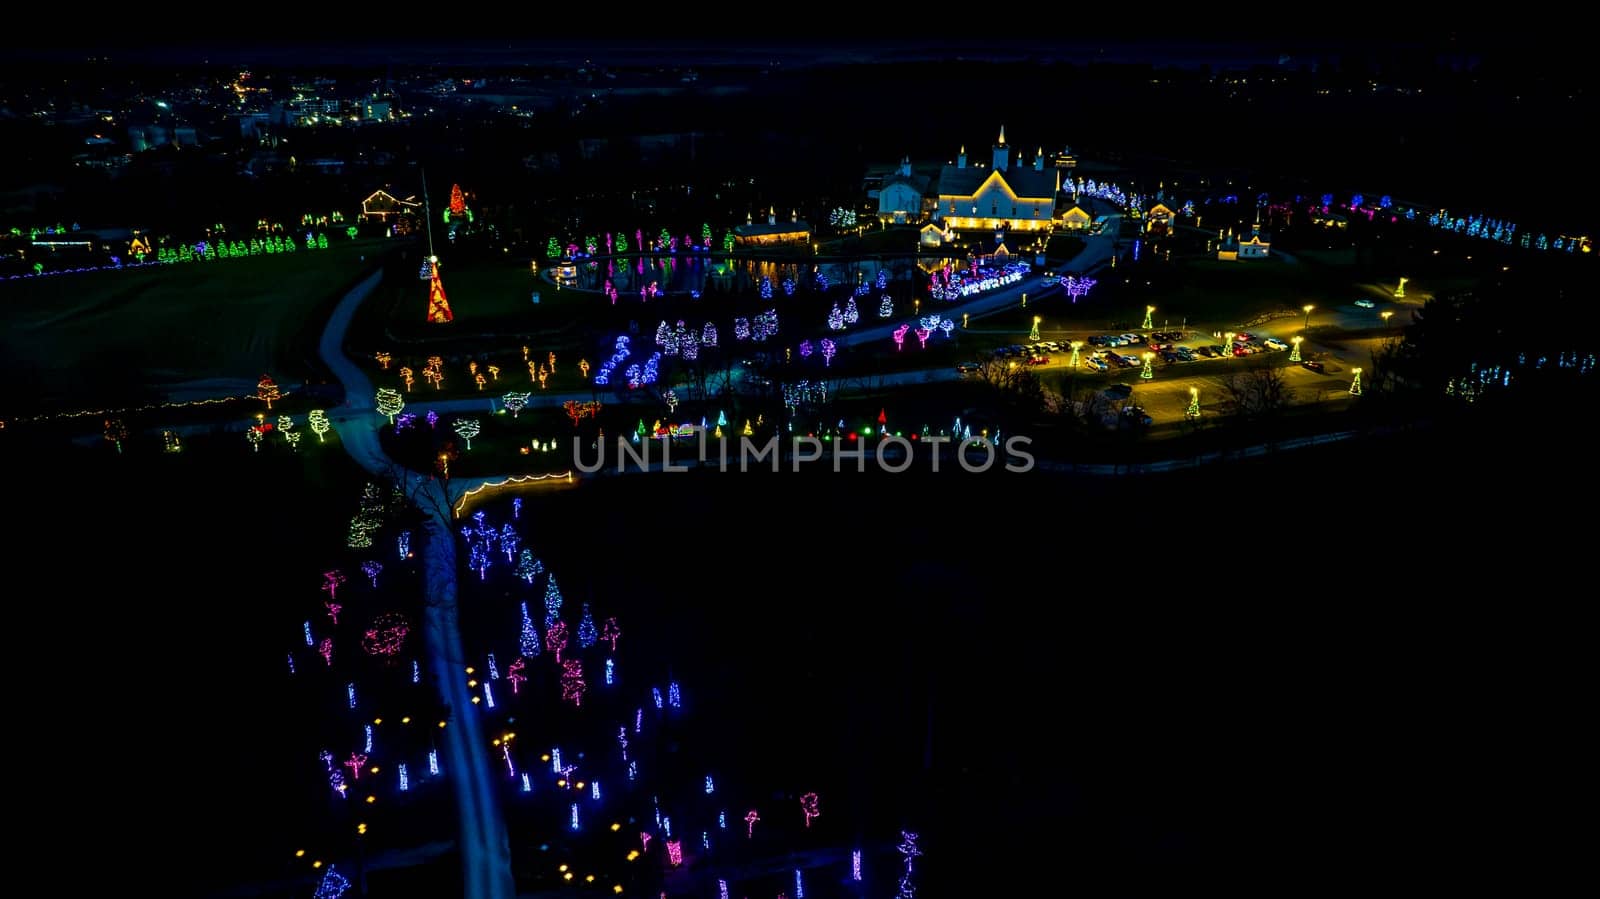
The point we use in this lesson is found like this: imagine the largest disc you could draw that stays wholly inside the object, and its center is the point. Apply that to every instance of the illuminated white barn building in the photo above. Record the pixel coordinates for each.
(1000, 196)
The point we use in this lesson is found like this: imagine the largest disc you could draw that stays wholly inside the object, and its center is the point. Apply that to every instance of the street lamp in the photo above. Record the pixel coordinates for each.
(1385, 315)
(1295, 356)
(1307, 307)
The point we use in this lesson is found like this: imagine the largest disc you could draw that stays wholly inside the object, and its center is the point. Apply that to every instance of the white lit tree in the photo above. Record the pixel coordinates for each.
(466, 429)
(318, 420)
(515, 401)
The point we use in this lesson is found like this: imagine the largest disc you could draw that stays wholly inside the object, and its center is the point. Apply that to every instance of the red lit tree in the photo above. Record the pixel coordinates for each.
(267, 390)
(458, 203)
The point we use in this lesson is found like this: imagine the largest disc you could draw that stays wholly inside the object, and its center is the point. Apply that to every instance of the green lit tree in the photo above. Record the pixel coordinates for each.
(389, 402)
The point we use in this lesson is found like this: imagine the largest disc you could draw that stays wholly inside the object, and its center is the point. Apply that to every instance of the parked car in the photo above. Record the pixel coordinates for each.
(1244, 337)
(1131, 338)
(1096, 364)
(1365, 303)
(967, 368)
(1314, 365)
(1038, 360)
(1097, 340)
(1135, 416)
(1273, 343)
(1184, 353)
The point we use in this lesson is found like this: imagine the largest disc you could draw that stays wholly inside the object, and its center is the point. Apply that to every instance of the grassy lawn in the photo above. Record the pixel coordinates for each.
(105, 337)
(485, 295)
(1063, 247)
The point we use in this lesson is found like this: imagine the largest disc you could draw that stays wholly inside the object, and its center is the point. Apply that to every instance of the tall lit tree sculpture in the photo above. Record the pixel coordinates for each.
(438, 305)
(1148, 323)
(458, 203)
(1146, 373)
(1294, 356)
(1193, 411)
(587, 632)
(318, 420)
(389, 402)
(1355, 384)
(528, 641)
(1034, 334)
(552, 601)
(267, 391)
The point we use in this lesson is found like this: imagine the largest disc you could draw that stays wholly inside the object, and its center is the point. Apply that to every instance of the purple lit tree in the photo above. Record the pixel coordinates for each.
(555, 639)
(572, 682)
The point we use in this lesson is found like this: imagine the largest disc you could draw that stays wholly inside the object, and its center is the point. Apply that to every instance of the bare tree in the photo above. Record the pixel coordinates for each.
(1259, 391)
(1241, 393)
(1272, 389)
(1384, 357)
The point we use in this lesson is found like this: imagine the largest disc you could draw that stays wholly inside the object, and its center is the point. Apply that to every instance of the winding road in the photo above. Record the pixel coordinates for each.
(485, 849)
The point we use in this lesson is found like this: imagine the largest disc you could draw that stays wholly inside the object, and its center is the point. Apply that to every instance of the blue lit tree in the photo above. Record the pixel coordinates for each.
(528, 640)
(587, 633)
